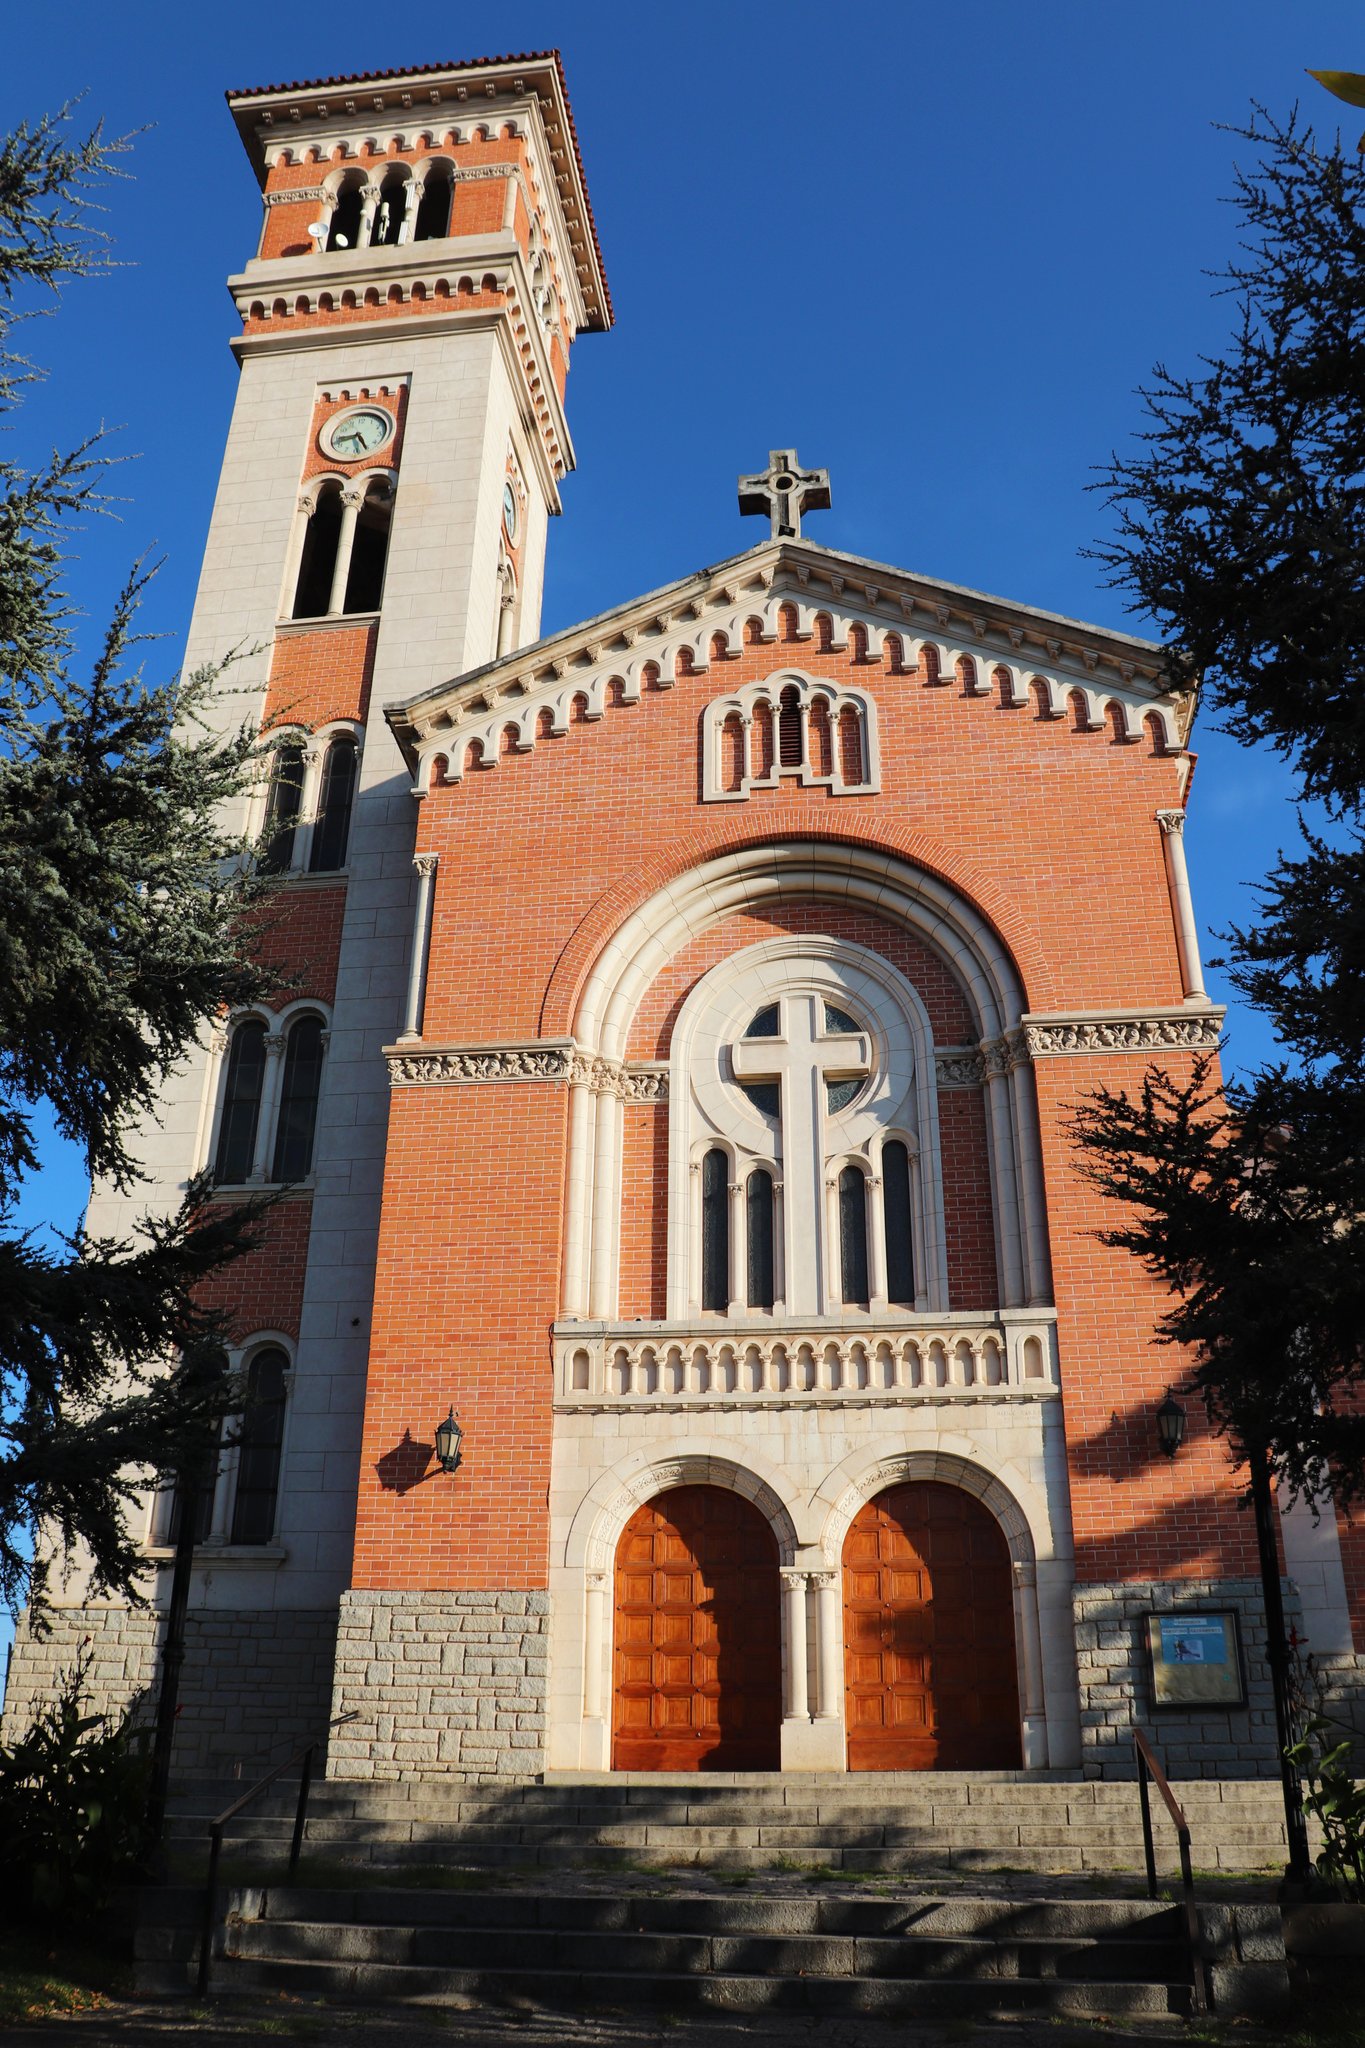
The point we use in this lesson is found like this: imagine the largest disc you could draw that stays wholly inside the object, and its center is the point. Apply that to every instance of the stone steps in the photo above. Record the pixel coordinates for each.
(945, 1821)
(921, 1956)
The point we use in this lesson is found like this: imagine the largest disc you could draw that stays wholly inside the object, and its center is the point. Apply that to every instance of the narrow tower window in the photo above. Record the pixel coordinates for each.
(433, 211)
(299, 1100)
(282, 809)
(319, 556)
(759, 1203)
(853, 1237)
(900, 1260)
(241, 1102)
(344, 231)
(789, 747)
(715, 1232)
(261, 1435)
(336, 796)
(369, 553)
(387, 231)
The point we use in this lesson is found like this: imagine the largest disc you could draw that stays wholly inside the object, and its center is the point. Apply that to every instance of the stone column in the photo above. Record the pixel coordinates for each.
(876, 1242)
(298, 534)
(412, 196)
(1026, 1635)
(606, 1205)
(425, 866)
(595, 1599)
(308, 810)
(794, 1588)
(352, 498)
(831, 1704)
(1004, 1178)
(578, 1197)
(1172, 825)
(261, 1161)
(369, 206)
(739, 1278)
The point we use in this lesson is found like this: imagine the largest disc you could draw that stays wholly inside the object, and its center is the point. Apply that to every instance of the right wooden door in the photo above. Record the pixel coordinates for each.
(930, 1674)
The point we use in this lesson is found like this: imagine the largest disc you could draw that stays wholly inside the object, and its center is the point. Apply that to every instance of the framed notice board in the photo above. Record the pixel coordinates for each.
(1195, 1660)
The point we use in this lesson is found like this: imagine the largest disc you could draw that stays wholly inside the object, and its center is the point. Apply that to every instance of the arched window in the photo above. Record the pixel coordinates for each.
(298, 1100)
(715, 1232)
(318, 562)
(900, 1258)
(282, 809)
(344, 229)
(260, 1436)
(853, 1237)
(433, 210)
(789, 747)
(335, 798)
(387, 231)
(241, 1103)
(369, 553)
(759, 1207)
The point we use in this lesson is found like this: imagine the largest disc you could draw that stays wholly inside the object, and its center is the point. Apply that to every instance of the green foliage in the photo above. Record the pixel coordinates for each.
(128, 911)
(73, 1796)
(1335, 1798)
(1241, 527)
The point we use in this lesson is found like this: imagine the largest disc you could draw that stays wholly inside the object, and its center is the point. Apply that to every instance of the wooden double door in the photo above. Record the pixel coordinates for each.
(930, 1671)
(698, 1658)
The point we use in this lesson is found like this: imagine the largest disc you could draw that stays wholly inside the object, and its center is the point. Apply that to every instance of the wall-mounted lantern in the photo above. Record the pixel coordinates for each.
(449, 1436)
(1170, 1424)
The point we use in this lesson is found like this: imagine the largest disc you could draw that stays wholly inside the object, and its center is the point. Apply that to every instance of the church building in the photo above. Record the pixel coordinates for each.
(685, 1012)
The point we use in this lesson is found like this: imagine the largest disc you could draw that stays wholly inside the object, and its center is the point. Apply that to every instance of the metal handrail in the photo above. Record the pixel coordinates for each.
(1147, 1766)
(306, 1753)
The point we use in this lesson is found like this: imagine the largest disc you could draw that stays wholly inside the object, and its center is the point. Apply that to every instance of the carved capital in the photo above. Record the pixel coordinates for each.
(274, 1044)
(959, 1069)
(425, 863)
(1172, 823)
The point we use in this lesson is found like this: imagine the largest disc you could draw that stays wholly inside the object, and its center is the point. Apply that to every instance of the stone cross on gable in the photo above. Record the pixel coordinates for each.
(784, 491)
(802, 1061)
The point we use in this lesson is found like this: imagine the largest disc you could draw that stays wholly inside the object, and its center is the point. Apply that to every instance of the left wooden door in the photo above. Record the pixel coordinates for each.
(698, 1660)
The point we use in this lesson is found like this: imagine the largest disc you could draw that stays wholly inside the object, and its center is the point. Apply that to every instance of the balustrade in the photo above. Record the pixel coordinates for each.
(948, 1358)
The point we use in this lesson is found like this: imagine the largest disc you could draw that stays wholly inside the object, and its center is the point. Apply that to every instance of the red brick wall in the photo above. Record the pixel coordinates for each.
(264, 1288)
(300, 933)
(644, 1210)
(1137, 1514)
(463, 1302)
(319, 674)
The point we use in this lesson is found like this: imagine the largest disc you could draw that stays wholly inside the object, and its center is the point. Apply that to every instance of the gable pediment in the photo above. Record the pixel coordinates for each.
(790, 595)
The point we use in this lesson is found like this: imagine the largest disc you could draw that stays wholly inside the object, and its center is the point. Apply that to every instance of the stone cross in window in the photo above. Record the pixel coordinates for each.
(784, 491)
(803, 1063)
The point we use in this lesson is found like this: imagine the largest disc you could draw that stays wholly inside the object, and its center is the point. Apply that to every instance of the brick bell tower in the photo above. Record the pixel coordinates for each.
(426, 259)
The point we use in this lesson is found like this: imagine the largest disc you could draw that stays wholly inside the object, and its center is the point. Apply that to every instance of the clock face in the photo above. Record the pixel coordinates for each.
(358, 433)
(509, 511)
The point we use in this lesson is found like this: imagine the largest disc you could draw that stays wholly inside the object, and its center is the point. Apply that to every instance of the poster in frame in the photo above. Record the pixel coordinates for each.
(1195, 1660)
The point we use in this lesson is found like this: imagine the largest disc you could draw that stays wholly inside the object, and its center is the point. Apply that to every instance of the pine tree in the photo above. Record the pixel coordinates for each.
(1241, 528)
(125, 908)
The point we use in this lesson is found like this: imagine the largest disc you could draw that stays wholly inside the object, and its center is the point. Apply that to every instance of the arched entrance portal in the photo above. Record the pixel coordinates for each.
(930, 1670)
(698, 1661)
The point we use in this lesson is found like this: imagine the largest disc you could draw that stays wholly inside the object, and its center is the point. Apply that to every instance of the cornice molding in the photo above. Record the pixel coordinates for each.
(670, 632)
(556, 1060)
(1089, 1032)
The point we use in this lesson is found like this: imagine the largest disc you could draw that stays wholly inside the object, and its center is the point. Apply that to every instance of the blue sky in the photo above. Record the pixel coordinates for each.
(933, 247)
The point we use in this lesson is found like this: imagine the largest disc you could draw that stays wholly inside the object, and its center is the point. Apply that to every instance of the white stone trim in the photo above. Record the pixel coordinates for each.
(742, 1362)
(533, 1059)
(1052, 1035)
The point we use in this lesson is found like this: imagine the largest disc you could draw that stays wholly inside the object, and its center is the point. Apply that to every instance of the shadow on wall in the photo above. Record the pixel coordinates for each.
(406, 1465)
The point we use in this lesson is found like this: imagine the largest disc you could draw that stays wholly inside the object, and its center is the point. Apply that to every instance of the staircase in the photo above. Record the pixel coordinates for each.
(923, 1957)
(861, 1822)
(944, 1895)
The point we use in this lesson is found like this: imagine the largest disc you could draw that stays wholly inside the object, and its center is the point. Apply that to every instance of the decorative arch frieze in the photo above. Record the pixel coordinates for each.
(606, 1509)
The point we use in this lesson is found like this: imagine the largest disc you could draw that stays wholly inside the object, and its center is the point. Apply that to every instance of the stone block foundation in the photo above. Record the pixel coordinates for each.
(1115, 1685)
(443, 1683)
(255, 1681)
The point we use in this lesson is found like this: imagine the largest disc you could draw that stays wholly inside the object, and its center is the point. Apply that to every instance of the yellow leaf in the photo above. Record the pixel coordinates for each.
(1345, 85)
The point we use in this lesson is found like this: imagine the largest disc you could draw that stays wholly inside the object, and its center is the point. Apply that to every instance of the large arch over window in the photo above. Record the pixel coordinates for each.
(605, 975)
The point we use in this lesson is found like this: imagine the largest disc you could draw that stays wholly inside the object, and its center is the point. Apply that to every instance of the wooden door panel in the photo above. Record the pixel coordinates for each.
(930, 1669)
(698, 1653)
